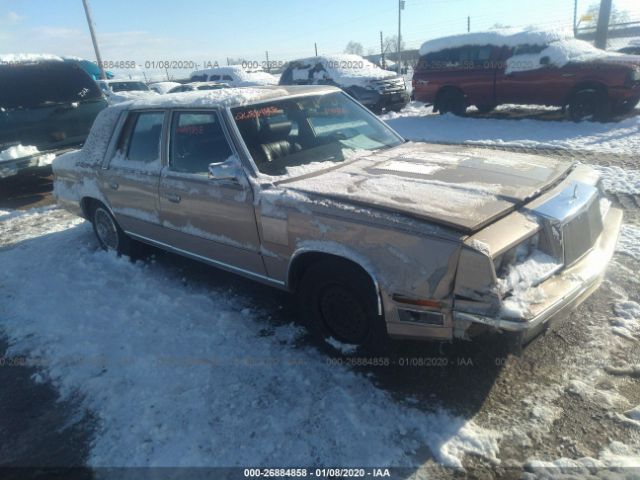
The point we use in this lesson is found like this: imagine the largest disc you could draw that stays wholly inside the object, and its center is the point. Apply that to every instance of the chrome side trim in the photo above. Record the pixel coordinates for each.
(208, 260)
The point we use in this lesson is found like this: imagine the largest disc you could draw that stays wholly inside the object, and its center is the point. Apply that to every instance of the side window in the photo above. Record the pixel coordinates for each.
(197, 140)
(139, 142)
(214, 78)
(227, 77)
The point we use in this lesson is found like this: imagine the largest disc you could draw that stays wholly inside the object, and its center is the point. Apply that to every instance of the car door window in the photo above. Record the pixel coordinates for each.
(227, 77)
(214, 78)
(139, 143)
(197, 140)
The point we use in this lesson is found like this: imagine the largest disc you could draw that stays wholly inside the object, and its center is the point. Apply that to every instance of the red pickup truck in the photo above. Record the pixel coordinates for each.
(591, 83)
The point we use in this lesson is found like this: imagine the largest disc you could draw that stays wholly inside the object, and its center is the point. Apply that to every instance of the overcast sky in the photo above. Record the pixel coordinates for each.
(199, 30)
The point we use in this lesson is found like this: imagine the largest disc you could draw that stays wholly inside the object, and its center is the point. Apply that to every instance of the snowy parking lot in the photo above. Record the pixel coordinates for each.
(165, 362)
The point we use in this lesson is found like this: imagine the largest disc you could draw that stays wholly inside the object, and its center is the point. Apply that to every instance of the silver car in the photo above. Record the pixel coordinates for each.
(304, 189)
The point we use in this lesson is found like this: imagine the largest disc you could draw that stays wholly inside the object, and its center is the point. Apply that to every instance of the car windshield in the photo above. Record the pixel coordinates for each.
(285, 137)
(129, 87)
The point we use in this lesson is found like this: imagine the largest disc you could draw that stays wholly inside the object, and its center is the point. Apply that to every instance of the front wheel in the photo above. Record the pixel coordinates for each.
(109, 234)
(339, 300)
(589, 104)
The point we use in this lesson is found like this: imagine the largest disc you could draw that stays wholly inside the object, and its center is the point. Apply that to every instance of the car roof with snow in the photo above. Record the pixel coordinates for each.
(225, 97)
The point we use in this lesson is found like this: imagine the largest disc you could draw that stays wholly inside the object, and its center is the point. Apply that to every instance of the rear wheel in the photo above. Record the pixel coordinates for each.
(109, 234)
(339, 300)
(452, 101)
(589, 104)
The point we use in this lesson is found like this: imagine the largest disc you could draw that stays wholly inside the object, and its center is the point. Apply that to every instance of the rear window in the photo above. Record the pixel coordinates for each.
(129, 87)
(42, 84)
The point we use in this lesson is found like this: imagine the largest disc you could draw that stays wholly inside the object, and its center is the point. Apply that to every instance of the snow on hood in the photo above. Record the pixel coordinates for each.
(28, 57)
(454, 186)
(346, 70)
(507, 37)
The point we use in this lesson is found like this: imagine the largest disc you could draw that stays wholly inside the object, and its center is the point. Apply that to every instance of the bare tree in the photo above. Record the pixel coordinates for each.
(354, 48)
(617, 16)
(391, 44)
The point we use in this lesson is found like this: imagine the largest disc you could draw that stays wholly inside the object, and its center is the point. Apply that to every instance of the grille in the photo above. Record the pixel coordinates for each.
(580, 233)
(390, 86)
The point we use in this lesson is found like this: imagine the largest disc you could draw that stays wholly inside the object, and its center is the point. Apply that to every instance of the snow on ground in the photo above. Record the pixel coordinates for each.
(181, 375)
(417, 122)
(613, 458)
(619, 180)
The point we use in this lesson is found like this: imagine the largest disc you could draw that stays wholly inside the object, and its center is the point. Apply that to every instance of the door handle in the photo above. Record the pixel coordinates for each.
(114, 185)
(172, 197)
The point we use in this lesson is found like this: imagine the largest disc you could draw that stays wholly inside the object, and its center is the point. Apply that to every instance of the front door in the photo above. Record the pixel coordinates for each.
(211, 218)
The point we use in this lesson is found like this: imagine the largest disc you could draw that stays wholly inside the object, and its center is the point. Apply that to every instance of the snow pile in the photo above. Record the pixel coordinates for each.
(28, 57)
(619, 180)
(418, 123)
(182, 375)
(508, 37)
(345, 70)
(18, 151)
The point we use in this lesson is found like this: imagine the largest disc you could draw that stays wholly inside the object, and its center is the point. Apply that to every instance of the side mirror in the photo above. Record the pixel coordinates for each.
(228, 171)
(545, 61)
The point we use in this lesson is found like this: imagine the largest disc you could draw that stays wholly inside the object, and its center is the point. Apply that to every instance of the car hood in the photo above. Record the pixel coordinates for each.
(456, 186)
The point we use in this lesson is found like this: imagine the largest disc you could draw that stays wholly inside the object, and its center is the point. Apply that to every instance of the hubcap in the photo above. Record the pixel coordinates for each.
(106, 229)
(343, 315)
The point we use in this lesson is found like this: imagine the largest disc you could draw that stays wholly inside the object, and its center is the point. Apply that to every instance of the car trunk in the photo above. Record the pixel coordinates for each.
(460, 187)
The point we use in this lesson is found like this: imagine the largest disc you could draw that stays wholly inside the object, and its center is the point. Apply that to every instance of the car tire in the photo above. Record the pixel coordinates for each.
(486, 108)
(338, 299)
(589, 103)
(452, 101)
(109, 234)
(624, 108)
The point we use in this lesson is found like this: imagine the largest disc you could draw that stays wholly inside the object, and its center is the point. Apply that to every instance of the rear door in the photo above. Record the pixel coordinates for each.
(211, 218)
(130, 181)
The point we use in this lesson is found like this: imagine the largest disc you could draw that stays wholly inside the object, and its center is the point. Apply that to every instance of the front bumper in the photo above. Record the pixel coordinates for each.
(9, 168)
(562, 292)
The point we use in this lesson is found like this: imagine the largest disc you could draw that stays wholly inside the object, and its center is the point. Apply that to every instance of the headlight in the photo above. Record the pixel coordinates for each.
(634, 76)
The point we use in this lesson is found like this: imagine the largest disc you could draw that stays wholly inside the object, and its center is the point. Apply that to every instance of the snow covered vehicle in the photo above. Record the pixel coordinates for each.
(487, 69)
(235, 76)
(304, 189)
(375, 88)
(194, 86)
(47, 105)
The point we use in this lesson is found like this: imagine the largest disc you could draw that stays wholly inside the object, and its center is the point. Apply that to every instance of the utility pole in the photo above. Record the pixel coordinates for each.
(400, 8)
(268, 64)
(316, 47)
(602, 29)
(468, 24)
(87, 12)
(575, 18)
(382, 61)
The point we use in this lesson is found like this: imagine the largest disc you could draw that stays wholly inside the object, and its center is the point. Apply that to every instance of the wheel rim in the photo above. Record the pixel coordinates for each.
(583, 107)
(343, 315)
(106, 229)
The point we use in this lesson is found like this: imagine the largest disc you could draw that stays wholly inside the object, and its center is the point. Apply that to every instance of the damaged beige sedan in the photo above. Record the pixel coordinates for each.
(304, 189)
